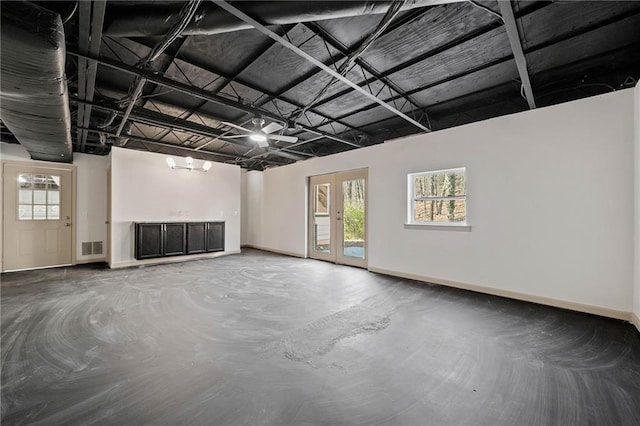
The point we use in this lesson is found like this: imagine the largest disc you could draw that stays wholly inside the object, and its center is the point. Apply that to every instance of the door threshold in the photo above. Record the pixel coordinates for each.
(37, 267)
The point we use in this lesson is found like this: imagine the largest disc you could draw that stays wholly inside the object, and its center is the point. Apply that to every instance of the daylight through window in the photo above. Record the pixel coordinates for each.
(437, 197)
(38, 197)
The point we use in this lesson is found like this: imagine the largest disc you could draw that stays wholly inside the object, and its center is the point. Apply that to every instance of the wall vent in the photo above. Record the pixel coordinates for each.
(96, 247)
(91, 247)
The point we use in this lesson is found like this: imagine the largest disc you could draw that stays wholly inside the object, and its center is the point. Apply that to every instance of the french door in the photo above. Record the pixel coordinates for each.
(338, 217)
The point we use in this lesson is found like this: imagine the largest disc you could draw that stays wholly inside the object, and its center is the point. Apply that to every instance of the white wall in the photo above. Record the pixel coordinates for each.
(254, 208)
(243, 207)
(91, 195)
(145, 189)
(576, 157)
(91, 203)
(636, 281)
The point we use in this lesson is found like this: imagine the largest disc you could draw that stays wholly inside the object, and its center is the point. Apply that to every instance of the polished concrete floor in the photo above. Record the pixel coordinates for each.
(264, 339)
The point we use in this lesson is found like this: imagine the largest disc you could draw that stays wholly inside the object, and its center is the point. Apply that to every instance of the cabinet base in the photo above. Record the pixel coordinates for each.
(170, 259)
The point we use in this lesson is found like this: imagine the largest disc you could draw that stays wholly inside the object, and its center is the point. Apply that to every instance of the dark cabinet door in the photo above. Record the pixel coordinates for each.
(215, 236)
(149, 238)
(196, 238)
(175, 239)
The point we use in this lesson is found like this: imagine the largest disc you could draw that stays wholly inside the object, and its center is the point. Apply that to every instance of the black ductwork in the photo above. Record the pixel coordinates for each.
(139, 21)
(34, 102)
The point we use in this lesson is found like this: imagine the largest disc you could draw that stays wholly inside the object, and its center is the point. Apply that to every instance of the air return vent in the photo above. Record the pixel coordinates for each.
(96, 247)
(91, 247)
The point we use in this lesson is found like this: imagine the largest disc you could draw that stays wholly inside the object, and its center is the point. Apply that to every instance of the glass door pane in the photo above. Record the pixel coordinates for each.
(322, 227)
(337, 217)
(353, 217)
(322, 218)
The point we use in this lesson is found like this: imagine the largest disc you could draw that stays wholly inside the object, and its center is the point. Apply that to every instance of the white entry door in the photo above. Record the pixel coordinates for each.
(37, 216)
(337, 217)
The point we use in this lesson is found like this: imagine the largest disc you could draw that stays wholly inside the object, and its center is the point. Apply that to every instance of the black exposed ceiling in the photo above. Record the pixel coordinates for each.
(441, 65)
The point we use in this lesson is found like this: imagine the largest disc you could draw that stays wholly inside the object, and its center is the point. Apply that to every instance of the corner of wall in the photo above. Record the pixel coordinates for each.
(636, 162)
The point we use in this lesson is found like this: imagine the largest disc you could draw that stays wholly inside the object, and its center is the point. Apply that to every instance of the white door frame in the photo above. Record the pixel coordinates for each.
(334, 217)
(45, 165)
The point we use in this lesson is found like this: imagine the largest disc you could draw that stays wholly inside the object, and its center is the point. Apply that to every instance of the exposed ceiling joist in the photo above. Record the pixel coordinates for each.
(267, 96)
(235, 157)
(252, 59)
(511, 27)
(152, 118)
(266, 31)
(158, 119)
(454, 60)
(203, 94)
(365, 66)
(90, 20)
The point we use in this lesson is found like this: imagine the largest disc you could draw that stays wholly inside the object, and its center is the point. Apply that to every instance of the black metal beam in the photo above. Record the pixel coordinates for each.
(258, 26)
(412, 15)
(179, 147)
(516, 47)
(580, 64)
(90, 22)
(575, 33)
(322, 33)
(202, 94)
(431, 53)
(436, 83)
(145, 116)
(249, 61)
(269, 95)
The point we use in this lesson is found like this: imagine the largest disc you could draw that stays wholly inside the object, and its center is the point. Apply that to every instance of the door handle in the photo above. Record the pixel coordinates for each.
(67, 224)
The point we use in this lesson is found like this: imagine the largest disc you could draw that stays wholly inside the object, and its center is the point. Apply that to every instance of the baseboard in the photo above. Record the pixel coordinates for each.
(596, 310)
(635, 320)
(286, 253)
(171, 259)
(95, 260)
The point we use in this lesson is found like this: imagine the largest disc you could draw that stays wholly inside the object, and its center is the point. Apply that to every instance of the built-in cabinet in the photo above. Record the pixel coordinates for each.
(178, 238)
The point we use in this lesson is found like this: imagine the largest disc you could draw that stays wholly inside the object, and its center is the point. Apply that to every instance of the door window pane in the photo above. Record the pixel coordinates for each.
(321, 219)
(54, 182)
(38, 197)
(25, 196)
(353, 215)
(39, 212)
(53, 212)
(53, 197)
(40, 182)
(25, 180)
(25, 212)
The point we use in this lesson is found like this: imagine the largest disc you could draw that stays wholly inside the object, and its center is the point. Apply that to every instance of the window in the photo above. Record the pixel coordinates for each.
(38, 197)
(437, 197)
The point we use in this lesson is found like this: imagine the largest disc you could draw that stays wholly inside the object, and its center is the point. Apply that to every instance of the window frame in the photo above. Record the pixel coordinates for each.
(47, 205)
(411, 223)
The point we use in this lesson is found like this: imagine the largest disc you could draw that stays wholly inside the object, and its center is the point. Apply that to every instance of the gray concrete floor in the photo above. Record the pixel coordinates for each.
(260, 338)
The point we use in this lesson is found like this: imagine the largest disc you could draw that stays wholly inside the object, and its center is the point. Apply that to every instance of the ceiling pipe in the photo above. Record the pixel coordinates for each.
(140, 21)
(34, 102)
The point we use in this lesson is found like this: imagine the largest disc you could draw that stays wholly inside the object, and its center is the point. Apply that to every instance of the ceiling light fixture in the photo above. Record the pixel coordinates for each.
(259, 138)
(206, 166)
